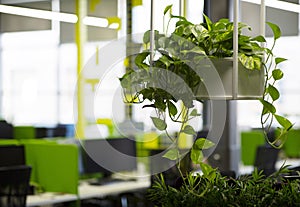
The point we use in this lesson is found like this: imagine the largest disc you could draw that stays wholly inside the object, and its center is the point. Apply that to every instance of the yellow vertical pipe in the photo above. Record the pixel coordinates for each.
(182, 8)
(183, 139)
(81, 33)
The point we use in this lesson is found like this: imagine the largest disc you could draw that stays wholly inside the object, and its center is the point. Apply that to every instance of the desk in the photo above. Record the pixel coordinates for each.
(248, 169)
(49, 198)
(91, 191)
(86, 191)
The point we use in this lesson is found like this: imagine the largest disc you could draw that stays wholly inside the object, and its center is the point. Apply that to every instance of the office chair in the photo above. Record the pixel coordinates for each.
(14, 185)
(266, 157)
(6, 130)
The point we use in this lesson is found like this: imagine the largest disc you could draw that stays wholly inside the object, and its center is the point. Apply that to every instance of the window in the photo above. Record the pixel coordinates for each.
(29, 71)
(288, 47)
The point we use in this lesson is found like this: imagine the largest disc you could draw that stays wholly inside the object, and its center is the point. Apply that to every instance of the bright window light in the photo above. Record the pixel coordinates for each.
(114, 26)
(292, 7)
(36, 13)
(95, 21)
(58, 16)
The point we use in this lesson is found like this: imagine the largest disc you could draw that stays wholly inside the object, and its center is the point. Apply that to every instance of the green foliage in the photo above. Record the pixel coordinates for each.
(271, 93)
(202, 143)
(277, 74)
(172, 154)
(189, 130)
(168, 76)
(212, 189)
(196, 151)
(159, 123)
(275, 29)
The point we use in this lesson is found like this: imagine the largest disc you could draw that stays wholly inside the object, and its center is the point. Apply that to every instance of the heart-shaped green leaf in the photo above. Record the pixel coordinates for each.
(284, 122)
(172, 108)
(279, 60)
(276, 30)
(274, 93)
(172, 154)
(194, 113)
(277, 74)
(268, 107)
(159, 123)
(189, 130)
(203, 143)
(196, 155)
(169, 7)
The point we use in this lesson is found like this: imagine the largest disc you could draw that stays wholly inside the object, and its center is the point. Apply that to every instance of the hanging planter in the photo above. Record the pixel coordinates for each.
(202, 58)
(250, 82)
(206, 61)
(239, 72)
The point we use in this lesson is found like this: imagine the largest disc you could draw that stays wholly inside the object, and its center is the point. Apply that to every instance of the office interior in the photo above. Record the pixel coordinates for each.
(62, 113)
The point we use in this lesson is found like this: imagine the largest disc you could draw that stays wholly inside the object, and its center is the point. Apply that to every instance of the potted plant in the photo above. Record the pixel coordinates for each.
(212, 189)
(177, 68)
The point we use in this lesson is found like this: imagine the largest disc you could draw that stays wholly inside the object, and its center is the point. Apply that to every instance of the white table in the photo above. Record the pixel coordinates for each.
(86, 191)
(91, 191)
(49, 198)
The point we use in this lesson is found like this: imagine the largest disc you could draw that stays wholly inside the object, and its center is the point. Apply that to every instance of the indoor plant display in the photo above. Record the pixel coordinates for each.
(211, 189)
(174, 70)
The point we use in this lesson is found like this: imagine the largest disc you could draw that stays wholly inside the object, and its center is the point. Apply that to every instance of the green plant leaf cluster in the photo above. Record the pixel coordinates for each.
(196, 151)
(169, 75)
(271, 94)
(211, 189)
(170, 71)
(216, 40)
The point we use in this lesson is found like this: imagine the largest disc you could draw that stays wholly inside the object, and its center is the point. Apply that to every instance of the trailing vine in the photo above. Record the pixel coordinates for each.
(271, 94)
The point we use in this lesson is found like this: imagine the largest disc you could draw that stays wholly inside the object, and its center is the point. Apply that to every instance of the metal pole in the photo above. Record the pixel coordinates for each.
(231, 129)
(262, 18)
(129, 43)
(182, 8)
(226, 155)
(55, 25)
(152, 31)
(235, 49)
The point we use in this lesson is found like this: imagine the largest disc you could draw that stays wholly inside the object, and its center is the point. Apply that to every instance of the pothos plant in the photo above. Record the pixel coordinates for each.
(167, 75)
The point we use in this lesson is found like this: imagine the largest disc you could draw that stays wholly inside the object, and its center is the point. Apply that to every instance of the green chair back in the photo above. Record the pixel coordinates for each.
(24, 132)
(250, 140)
(54, 166)
(291, 147)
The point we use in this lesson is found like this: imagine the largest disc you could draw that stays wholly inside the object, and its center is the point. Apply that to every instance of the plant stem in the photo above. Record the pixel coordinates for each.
(185, 115)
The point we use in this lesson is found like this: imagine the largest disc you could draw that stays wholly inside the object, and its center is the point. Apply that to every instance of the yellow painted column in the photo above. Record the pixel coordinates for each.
(81, 35)
(182, 8)
(184, 140)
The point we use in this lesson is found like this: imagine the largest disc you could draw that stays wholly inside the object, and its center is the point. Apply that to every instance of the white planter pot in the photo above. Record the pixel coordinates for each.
(217, 81)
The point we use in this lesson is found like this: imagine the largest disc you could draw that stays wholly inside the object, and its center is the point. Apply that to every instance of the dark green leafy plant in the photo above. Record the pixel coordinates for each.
(211, 189)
